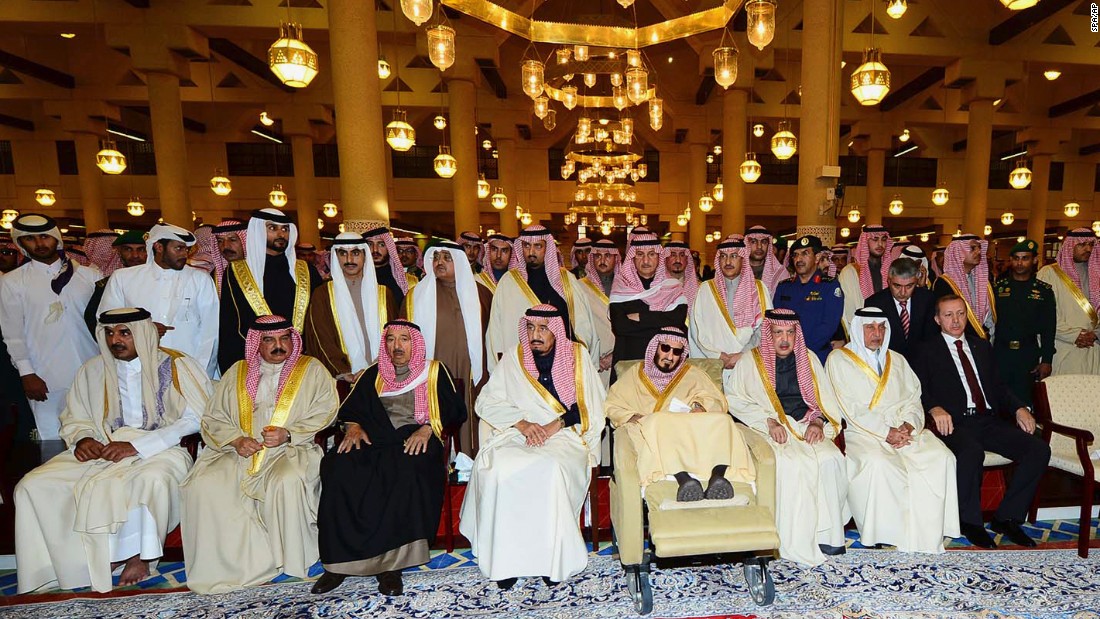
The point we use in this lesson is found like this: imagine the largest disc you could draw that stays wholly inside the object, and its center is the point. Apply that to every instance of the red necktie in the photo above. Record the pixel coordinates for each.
(971, 379)
(905, 319)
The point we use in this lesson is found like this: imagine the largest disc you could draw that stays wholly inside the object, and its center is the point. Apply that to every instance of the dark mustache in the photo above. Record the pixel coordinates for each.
(537, 342)
(278, 351)
(118, 347)
(349, 264)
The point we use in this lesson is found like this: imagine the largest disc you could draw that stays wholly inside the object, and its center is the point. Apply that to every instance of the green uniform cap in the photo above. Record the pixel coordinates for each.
(1027, 245)
(132, 237)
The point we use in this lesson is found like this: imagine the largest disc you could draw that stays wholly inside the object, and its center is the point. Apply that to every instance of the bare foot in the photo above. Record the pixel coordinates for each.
(135, 571)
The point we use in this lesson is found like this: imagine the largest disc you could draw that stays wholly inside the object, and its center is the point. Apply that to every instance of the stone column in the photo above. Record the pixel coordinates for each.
(357, 97)
(819, 125)
(464, 149)
(305, 195)
(697, 184)
(876, 170)
(1041, 144)
(979, 146)
(166, 115)
(90, 178)
(506, 173)
(734, 125)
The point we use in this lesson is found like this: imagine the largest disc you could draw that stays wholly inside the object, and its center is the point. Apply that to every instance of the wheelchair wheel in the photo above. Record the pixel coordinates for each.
(641, 591)
(760, 583)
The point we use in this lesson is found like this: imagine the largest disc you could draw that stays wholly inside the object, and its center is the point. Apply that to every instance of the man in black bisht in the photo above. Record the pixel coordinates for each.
(268, 280)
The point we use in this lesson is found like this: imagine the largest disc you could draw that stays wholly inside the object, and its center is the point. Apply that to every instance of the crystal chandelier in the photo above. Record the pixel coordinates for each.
(45, 197)
(706, 203)
(290, 59)
(1007, 218)
(418, 11)
(854, 215)
(750, 168)
(445, 164)
(499, 200)
(135, 207)
(329, 209)
(482, 187)
(725, 66)
(109, 159)
(896, 8)
(896, 205)
(533, 82)
(277, 197)
(441, 46)
(784, 143)
(760, 22)
(220, 185)
(871, 81)
(940, 195)
(1020, 177)
(719, 192)
(1071, 209)
(400, 135)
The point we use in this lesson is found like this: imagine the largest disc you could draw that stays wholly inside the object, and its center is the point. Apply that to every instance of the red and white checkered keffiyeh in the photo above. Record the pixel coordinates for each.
(406, 241)
(628, 284)
(274, 325)
(206, 252)
(418, 365)
(675, 338)
(602, 247)
(552, 261)
(1065, 260)
(77, 253)
(774, 271)
(691, 278)
(862, 253)
(564, 369)
(953, 268)
(101, 252)
(7, 243)
(395, 261)
(227, 226)
(787, 317)
(830, 266)
(745, 309)
(635, 232)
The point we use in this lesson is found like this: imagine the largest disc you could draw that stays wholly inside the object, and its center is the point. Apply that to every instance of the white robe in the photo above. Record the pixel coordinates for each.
(184, 300)
(513, 298)
(711, 326)
(522, 507)
(903, 497)
(1073, 317)
(811, 481)
(46, 334)
(74, 518)
(601, 319)
(848, 278)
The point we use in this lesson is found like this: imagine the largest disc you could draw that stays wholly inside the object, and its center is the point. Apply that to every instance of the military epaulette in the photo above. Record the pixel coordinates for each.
(825, 279)
(789, 280)
(1043, 284)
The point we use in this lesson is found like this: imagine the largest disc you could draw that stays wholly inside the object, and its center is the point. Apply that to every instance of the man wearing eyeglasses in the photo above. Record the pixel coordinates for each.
(671, 418)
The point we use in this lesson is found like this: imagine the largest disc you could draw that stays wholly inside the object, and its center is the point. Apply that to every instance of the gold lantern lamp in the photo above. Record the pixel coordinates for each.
(525, 219)
(440, 122)
(290, 59)
(220, 185)
(441, 46)
(1007, 218)
(637, 84)
(400, 135)
(580, 52)
(750, 168)
(870, 82)
(277, 197)
(719, 191)
(1019, 5)
(135, 207)
(896, 205)
(482, 187)
(533, 72)
(706, 203)
(329, 209)
(845, 233)
(109, 159)
(854, 215)
(1020, 177)
(551, 121)
(45, 197)
(418, 11)
(569, 96)
(1096, 227)
(445, 164)
(725, 66)
(499, 200)
(896, 8)
(7, 217)
(760, 22)
(656, 113)
(784, 143)
(1071, 209)
(758, 130)
(383, 68)
(542, 105)
(940, 195)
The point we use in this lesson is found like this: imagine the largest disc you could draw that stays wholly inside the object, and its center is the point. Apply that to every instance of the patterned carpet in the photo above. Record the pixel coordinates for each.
(864, 584)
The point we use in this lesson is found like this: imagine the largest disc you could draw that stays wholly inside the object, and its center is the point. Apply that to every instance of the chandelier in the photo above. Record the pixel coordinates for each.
(760, 22)
(445, 164)
(896, 8)
(329, 209)
(418, 11)
(1007, 218)
(482, 187)
(109, 159)
(277, 197)
(440, 122)
(220, 185)
(45, 197)
(940, 195)
(784, 143)
(896, 205)
(290, 59)
(854, 215)
(871, 81)
(1071, 209)
(706, 203)
(758, 130)
(719, 192)
(499, 200)
(383, 68)
(441, 46)
(400, 135)
(7, 217)
(135, 207)
(1020, 177)
(845, 233)
(750, 168)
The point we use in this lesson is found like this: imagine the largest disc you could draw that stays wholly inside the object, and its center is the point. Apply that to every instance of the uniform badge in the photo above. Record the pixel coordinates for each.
(837, 293)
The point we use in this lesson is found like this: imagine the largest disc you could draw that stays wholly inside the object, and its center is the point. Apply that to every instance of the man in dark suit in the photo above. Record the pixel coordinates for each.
(904, 297)
(973, 411)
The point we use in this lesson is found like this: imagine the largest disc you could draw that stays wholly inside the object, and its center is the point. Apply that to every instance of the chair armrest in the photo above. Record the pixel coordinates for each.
(191, 443)
(1069, 431)
(764, 457)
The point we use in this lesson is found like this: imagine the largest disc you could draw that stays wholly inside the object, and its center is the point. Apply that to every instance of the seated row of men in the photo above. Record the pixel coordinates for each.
(263, 499)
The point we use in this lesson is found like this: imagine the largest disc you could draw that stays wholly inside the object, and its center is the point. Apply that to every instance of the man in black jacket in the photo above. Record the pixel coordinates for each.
(903, 301)
(973, 411)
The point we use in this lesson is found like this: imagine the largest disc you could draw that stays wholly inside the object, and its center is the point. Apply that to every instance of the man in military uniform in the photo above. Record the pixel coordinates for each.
(1024, 337)
(815, 297)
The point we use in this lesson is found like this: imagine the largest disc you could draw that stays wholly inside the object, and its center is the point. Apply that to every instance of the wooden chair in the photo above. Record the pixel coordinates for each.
(1068, 409)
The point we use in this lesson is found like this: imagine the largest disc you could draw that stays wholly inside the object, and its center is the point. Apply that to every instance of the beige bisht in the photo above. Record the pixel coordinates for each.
(811, 480)
(601, 321)
(67, 512)
(245, 520)
(522, 507)
(1077, 303)
(666, 438)
(905, 497)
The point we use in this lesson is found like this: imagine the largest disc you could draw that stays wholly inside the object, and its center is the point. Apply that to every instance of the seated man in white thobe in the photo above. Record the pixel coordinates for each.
(728, 311)
(111, 499)
(901, 478)
(544, 404)
(781, 391)
(250, 503)
(674, 415)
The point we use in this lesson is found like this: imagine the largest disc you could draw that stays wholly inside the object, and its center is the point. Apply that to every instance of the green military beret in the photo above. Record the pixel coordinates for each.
(1027, 245)
(132, 237)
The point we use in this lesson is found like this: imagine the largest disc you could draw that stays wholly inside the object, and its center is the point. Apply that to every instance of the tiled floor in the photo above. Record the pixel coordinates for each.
(171, 575)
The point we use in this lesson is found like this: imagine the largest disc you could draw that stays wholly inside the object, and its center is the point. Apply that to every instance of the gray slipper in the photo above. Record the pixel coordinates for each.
(690, 488)
(719, 488)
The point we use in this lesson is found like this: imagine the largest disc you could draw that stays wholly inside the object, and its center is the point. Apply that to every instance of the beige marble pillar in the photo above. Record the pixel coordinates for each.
(876, 171)
(734, 127)
(697, 184)
(305, 189)
(507, 178)
(979, 146)
(166, 116)
(90, 179)
(464, 149)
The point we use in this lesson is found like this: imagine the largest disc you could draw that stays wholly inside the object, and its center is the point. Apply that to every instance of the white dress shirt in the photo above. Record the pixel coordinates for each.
(950, 339)
(155, 441)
